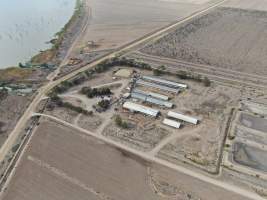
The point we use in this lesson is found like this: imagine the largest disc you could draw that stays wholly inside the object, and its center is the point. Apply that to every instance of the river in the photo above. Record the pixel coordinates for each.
(26, 26)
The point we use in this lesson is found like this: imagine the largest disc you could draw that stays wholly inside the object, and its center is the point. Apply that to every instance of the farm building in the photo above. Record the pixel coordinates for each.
(171, 123)
(157, 86)
(153, 94)
(140, 108)
(164, 82)
(149, 99)
(182, 117)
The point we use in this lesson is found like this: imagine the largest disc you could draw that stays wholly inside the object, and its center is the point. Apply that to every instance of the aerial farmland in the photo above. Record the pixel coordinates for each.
(179, 114)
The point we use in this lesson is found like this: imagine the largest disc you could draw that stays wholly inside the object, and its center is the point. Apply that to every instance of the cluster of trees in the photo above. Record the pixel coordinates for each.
(65, 85)
(105, 65)
(131, 63)
(120, 123)
(187, 75)
(159, 71)
(104, 104)
(93, 92)
(60, 103)
(101, 67)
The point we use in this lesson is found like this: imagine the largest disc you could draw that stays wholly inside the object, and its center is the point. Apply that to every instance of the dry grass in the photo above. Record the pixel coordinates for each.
(43, 57)
(15, 73)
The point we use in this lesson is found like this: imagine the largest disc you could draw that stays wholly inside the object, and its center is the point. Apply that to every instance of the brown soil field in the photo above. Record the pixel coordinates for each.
(132, 20)
(11, 109)
(247, 4)
(227, 38)
(61, 163)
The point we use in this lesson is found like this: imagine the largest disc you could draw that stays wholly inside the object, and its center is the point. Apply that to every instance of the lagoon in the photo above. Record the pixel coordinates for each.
(26, 26)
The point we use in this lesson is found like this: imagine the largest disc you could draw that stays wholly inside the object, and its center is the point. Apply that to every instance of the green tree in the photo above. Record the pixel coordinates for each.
(206, 82)
(118, 120)
(182, 74)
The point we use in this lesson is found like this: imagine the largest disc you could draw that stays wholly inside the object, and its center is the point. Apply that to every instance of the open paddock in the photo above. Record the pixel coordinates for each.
(64, 164)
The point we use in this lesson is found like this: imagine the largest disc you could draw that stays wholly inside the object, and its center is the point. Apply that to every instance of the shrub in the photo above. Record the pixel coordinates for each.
(206, 82)
(156, 72)
(95, 91)
(104, 104)
(120, 123)
(118, 120)
(182, 74)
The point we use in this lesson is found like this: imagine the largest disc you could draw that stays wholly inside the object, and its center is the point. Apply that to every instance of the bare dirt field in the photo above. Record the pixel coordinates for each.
(226, 38)
(247, 4)
(65, 164)
(132, 20)
(90, 123)
(143, 133)
(11, 109)
(62, 113)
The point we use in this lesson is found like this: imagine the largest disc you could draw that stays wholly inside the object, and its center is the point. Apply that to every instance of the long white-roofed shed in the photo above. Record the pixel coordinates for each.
(140, 108)
(182, 117)
(171, 123)
(164, 82)
(158, 86)
(146, 98)
(158, 96)
(153, 94)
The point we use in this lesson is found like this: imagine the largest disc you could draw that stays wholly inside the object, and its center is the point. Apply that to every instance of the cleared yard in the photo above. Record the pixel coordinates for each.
(226, 38)
(61, 163)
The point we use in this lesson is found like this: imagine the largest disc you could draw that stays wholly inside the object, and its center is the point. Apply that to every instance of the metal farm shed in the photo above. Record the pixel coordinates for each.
(164, 82)
(140, 108)
(171, 123)
(182, 117)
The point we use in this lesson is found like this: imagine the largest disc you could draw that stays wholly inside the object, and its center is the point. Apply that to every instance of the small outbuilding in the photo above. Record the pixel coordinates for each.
(182, 117)
(171, 123)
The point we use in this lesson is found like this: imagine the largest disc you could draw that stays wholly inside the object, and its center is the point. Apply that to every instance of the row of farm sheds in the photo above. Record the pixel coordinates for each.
(173, 119)
(160, 84)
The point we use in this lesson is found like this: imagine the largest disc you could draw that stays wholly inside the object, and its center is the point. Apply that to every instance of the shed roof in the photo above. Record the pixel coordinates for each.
(140, 108)
(182, 117)
(164, 82)
(147, 98)
(154, 85)
(153, 94)
(171, 123)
